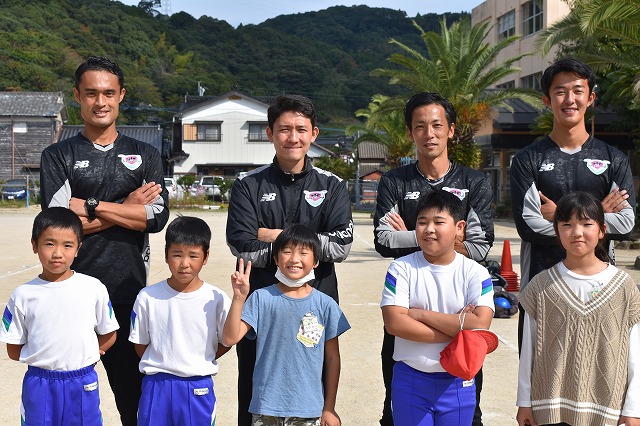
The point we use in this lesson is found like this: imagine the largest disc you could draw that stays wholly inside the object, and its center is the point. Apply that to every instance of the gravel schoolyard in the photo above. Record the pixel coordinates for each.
(361, 277)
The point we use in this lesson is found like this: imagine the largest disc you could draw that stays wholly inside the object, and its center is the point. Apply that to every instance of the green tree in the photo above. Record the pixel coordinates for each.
(337, 166)
(606, 35)
(460, 66)
(385, 125)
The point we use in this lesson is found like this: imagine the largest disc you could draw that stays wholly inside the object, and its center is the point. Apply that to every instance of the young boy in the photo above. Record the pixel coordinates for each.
(176, 327)
(296, 329)
(59, 324)
(423, 295)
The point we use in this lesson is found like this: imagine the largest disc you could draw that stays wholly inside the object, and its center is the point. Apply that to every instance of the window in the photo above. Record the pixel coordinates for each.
(507, 25)
(209, 132)
(532, 81)
(258, 132)
(531, 17)
(511, 84)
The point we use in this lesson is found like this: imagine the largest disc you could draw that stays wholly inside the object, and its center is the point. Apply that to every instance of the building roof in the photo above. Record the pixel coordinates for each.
(148, 134)
(194, 101)
(371, 150)
(365, 169)
(32, 104)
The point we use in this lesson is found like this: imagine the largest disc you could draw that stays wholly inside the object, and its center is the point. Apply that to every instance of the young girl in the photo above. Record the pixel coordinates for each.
(579, 363)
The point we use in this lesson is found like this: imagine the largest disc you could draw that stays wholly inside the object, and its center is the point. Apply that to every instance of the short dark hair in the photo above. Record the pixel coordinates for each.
(294, 103)
(444, 201)
(189, 231)
(569, 65)
(297, 235)
(428, 98)
(59, 218)
(99, 63)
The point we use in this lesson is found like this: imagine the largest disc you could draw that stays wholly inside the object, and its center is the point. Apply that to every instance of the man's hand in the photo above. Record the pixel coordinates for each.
(395, 220)
(268, 235)
(615, 201)
(548, 208)
(77, 206)
(144, 195)
(240, 280)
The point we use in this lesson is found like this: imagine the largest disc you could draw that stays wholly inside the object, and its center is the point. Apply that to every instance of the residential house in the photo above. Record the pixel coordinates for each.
(371, 160)
(224, 135)
(29, 122)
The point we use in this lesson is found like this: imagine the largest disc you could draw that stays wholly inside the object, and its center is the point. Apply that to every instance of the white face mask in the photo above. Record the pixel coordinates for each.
(294, 283)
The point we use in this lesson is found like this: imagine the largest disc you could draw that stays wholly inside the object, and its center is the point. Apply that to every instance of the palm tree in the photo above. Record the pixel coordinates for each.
(460, 66)
(606, 34)
(385, 125)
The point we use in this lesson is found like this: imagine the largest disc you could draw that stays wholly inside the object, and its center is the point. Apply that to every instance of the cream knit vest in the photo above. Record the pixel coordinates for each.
(580, 360)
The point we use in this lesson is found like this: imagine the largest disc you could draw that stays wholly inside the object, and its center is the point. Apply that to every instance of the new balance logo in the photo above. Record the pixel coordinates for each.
(271, 196)
(81, 164)
(412, 195)
(546, 167)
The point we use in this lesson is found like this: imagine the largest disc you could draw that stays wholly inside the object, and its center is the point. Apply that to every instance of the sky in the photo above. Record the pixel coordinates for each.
(244, 12)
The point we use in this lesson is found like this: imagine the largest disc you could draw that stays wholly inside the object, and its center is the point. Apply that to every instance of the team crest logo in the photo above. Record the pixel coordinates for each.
(314, 198)
(597, 167)
(131, 162)
(460, 193)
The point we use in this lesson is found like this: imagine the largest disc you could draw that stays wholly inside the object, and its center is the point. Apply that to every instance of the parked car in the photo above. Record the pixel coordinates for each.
(195, 189)
(16, 189)
(175, 190)
(211, 187)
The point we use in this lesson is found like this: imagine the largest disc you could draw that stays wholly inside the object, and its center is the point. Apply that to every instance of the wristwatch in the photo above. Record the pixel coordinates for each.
(91, 203)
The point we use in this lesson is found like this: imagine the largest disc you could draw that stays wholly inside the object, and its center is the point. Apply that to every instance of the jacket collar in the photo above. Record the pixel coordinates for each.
(292, 177)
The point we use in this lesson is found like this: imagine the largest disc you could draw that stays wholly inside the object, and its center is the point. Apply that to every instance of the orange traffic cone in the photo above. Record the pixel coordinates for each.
(506, 268)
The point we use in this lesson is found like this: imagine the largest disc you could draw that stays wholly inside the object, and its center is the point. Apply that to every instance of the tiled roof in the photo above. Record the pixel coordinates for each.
(32, 104)
(371, 150)
(148, 134)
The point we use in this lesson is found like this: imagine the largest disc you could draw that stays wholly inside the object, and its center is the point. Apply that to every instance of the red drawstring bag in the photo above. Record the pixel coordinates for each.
(464, 355)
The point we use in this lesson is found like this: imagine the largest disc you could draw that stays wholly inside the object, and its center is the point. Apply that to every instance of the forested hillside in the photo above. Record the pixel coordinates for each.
(326, 55)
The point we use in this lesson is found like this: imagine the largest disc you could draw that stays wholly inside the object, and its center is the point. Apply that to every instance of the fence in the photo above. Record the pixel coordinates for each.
(363, 194)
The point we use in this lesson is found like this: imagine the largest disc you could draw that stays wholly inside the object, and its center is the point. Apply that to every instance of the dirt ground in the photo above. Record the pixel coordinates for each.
(361, 276)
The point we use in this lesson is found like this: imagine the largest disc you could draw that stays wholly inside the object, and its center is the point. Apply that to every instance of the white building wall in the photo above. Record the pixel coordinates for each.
(234, 148)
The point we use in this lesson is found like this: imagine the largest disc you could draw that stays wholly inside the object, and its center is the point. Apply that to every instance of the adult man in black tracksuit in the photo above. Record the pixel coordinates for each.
(430, 121)
(114, 184)
(273, 197)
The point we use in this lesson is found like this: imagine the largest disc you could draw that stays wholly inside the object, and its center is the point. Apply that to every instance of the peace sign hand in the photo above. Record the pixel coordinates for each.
(240, 280)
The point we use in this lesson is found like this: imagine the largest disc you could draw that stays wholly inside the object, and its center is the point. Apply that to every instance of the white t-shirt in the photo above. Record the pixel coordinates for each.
(182, 329)
(413, 282)
(58, 322)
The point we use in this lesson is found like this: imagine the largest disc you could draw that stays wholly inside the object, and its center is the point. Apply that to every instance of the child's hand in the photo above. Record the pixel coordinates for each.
(240, 279)
(629, 421)
(525, 417)
(467, 309)
(330, 418)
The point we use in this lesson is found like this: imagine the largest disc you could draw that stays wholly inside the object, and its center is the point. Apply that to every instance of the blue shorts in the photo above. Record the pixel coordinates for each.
(171, 400)
(428, 399)
(60, 397)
